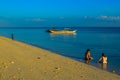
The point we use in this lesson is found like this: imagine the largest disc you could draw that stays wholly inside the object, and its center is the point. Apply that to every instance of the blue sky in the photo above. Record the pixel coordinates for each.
(40, 13)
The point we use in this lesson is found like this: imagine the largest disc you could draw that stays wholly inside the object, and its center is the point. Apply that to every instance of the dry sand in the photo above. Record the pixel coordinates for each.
(20, 61)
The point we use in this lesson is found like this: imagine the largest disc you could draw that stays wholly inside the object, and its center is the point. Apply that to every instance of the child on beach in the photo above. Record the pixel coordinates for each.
(103, 59)
(87, 56)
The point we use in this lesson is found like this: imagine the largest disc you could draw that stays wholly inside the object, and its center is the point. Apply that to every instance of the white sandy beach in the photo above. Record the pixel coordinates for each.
(20, 61)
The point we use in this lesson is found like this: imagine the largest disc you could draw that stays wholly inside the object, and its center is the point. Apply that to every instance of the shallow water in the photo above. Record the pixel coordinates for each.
(98, 40)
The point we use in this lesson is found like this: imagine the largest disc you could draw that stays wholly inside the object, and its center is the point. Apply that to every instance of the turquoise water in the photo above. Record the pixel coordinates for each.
(98, 40)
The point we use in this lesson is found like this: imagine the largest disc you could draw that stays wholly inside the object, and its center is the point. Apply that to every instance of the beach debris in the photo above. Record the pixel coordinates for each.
(81, 76)
(6, 67)
(38, 57)
(4, 63)
(113, 71)
(12, 62)
(57, 68)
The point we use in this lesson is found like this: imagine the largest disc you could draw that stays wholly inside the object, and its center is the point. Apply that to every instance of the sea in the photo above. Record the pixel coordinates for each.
(98, 39)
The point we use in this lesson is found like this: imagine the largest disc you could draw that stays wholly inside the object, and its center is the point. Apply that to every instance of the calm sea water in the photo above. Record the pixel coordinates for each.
(98, 40)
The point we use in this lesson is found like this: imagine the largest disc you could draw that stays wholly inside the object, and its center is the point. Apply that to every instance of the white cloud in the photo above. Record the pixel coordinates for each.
(104, 17)
(38, 19)
(88, 17)
(110, 18)
(35, 19)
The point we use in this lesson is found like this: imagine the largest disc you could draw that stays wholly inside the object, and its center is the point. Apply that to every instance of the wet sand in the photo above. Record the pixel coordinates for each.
(20, 61)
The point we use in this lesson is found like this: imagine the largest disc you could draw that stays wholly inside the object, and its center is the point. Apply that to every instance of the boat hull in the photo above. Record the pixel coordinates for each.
(63, 31)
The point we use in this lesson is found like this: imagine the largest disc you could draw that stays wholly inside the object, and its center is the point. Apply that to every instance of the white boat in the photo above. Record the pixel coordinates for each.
(65, 31)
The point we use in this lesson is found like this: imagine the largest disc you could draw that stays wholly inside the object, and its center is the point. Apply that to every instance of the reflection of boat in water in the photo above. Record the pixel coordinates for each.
(65, 31)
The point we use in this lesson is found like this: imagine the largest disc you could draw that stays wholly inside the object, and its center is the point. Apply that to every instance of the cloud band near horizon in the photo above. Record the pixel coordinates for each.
(61, 21)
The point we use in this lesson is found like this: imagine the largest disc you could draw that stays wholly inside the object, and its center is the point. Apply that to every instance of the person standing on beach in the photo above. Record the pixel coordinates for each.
(12, 36)
(103, 59)
(87, 56)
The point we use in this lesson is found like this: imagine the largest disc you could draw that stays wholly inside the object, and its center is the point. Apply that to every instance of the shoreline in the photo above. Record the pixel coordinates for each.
(94, 64)
(19, 60)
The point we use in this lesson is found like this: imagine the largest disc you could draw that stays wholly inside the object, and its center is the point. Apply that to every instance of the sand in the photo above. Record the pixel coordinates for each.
(20, 61)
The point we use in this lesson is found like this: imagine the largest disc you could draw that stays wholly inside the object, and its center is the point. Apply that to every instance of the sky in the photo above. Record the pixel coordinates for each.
(61, 13)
